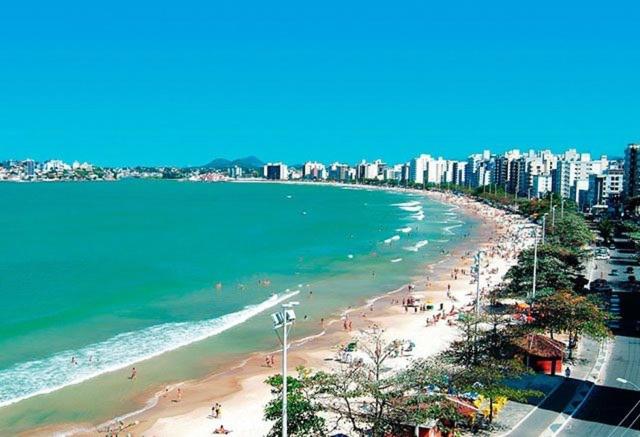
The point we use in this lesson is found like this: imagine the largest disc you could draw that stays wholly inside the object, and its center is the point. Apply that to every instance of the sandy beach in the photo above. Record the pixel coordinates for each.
(186, 408)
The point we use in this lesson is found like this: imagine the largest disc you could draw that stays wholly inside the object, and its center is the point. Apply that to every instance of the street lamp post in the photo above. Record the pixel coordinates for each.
(624, 381)
(562, 209)
(535, 265)
(284, 319)
(553, 218)
(478, 258)
(544, 226)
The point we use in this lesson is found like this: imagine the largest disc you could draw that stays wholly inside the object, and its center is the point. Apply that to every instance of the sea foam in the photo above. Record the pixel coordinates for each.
(416, 247)
(28, 379)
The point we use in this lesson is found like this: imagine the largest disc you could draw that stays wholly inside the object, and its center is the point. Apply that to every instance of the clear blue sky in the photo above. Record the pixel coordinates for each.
(149, 82)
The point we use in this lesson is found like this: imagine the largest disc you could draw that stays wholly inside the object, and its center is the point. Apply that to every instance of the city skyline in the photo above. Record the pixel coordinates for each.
(181, 85)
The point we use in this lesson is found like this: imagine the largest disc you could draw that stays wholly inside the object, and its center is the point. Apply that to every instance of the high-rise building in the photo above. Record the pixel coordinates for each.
(339, 172)
(417, 167)
(275, 171)
(632, 171)
(235, 172)
(368, 171)
(314, 170)
(30, 167)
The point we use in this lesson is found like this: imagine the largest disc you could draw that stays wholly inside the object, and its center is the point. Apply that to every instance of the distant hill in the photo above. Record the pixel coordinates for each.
(222, 163)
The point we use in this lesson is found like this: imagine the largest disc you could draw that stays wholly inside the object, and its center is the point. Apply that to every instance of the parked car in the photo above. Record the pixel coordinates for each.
(600, 286)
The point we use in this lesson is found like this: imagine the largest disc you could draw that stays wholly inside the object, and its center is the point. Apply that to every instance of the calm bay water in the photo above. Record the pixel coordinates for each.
(109, 274)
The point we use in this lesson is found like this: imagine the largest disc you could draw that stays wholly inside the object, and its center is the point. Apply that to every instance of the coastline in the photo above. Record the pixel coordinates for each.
(240, 388)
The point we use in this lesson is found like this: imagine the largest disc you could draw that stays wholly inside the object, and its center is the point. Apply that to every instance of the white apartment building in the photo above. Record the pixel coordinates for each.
(417, 167)
(314, 170)
(275, 171)
(573, 167)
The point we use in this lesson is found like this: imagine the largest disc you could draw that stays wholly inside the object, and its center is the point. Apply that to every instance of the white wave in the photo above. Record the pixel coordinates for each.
(394, 238)
(396, 260)
(411, 208)
(404, 230)
(416, 247)
(449, 229)
(407, 204)
(28, 379)
(420, 216)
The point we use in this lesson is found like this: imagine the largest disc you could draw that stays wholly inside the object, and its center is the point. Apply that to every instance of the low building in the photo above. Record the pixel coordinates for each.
(542, 354)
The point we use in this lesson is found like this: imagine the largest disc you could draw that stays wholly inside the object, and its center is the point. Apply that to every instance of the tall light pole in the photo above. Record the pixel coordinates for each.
(562, 209)
(544, 226)
(535, 265)
(478, 258)
(284, 319)
(553, 218)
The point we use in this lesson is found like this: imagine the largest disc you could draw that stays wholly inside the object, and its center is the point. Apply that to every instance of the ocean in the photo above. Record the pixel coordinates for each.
(178, 278)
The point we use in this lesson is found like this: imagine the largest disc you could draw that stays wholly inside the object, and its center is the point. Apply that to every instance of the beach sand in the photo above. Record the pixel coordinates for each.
(241, 389)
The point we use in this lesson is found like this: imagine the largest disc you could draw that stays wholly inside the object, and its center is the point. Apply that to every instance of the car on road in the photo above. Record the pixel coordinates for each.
(602, 253)
(600, 286)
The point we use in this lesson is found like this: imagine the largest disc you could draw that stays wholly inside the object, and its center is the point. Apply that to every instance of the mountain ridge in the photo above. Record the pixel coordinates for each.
(251, 162)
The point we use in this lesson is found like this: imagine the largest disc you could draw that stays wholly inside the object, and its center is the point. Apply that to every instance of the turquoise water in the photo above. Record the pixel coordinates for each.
(109, 274)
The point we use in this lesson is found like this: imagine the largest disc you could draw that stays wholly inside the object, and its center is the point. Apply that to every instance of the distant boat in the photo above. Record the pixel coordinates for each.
(396, 260)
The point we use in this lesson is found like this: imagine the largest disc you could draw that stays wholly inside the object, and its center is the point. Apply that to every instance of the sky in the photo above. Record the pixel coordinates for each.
(182, 83)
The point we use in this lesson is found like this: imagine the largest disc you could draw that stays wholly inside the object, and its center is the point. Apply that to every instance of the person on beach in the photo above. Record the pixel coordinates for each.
(178, 396)
(267, 361)
(221, 430)
(134, 372)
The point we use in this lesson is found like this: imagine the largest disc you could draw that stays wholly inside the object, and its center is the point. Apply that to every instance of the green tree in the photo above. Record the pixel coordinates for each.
(551, 274)
(302, 406)
(605, 227)
(570, 232)
(570, 313)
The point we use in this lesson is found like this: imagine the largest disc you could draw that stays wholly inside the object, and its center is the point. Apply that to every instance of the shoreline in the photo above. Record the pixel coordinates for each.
(234, 385)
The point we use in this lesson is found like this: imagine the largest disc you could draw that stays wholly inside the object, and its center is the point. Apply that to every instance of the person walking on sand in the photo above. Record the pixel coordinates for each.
(179, 396)
(134, 372)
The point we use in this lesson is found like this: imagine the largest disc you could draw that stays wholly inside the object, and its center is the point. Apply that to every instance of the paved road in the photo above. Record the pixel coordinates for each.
(613, 409)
